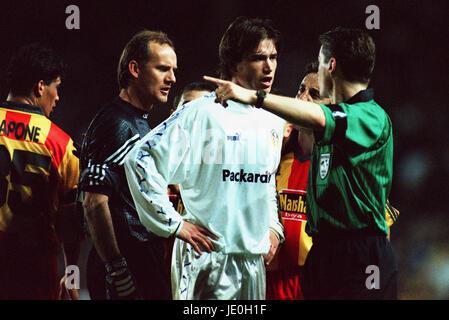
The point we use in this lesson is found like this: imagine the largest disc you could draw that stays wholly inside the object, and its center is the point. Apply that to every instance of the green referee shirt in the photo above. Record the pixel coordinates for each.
(351, 168)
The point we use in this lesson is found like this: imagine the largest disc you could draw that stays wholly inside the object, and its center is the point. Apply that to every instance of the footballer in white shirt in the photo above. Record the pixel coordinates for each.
(224, 159)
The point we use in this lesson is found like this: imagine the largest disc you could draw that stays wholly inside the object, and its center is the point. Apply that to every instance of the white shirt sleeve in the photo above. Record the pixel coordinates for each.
(156, 161)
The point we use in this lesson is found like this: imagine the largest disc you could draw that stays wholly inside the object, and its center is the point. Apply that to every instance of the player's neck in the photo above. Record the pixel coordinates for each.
(129, 95)
(305, 141)
(344, 90)
(22, 99)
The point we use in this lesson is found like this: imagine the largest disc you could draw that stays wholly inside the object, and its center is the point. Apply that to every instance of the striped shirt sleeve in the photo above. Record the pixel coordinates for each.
(103, 172)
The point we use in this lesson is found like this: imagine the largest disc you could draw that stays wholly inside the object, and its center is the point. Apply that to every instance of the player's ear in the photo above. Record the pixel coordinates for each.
(332, 65)
(38, 89)
(133, 68)
(288, 128)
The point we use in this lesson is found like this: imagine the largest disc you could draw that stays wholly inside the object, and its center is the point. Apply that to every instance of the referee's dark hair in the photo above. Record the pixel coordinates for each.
(354, 50)
(241, 37)
(138, 49)
(31, 64)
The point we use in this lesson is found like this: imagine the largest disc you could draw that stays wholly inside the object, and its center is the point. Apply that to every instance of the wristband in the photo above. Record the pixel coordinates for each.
(260, 97)
(120, 283)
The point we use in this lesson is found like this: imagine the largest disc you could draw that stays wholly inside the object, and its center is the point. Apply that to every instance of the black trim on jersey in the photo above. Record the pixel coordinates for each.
(341, 121)
(362, 96)
(17, 106)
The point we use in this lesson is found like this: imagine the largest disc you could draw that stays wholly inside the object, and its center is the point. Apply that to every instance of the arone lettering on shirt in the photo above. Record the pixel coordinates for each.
(19, 131)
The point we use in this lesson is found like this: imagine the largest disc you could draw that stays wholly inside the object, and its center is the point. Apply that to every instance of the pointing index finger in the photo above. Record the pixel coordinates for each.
(214, 80)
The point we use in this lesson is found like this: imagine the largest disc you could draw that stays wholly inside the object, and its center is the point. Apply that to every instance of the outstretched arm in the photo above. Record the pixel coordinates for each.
(302, 113)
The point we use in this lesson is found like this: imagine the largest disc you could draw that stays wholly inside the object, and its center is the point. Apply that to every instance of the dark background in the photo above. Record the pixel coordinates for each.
(410, 80)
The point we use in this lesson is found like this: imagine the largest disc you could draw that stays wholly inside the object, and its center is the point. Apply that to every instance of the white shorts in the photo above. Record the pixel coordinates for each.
(216, 276)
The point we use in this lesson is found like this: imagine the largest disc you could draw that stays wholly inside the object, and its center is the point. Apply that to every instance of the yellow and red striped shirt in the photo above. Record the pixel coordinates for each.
(37, 171)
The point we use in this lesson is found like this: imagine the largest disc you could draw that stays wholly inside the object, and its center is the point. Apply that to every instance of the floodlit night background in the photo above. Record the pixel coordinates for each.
(410, 81)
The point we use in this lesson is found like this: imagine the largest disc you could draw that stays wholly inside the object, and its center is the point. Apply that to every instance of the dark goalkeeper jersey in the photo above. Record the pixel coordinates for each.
(351, 169)
(110, 136)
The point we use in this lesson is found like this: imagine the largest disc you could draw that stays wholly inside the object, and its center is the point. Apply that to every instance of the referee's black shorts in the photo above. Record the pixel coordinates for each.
(350, 267)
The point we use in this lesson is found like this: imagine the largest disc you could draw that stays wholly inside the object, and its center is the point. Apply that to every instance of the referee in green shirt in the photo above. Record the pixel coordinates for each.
(350, 173)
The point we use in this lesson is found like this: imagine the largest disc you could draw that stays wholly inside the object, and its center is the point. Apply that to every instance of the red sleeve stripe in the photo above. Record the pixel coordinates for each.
(57, 141)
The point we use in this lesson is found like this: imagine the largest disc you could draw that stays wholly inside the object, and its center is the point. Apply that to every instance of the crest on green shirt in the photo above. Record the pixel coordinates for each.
(324, 165)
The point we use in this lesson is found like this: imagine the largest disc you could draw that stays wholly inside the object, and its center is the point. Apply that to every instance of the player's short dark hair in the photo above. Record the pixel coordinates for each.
(194, 86)
(354, 50)
(138, 49)
(199, 86)
(241, 37)
(311, 67)
(31, 64)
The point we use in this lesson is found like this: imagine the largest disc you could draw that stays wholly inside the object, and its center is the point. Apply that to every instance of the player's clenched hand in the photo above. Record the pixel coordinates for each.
(228, 90)
(197, 236)
(274, 241)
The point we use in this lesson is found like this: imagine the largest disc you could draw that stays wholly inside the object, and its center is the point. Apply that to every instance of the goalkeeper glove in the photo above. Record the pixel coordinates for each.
(120, 283)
